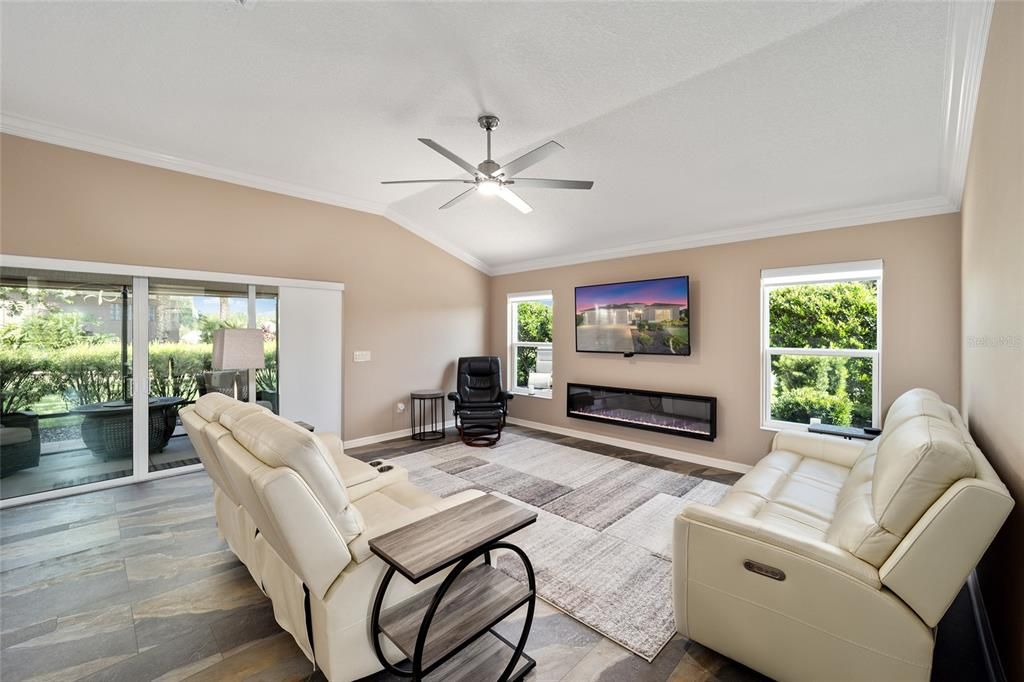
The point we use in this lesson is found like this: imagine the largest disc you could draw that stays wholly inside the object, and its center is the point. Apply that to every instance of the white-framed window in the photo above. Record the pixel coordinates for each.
(530, 319)
(821, 340)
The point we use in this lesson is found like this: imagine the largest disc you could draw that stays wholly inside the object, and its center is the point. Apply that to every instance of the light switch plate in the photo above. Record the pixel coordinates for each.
(361, 356)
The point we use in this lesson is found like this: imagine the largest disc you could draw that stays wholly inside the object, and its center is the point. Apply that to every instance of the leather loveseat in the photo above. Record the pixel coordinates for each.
(834, 559)
(299, 514)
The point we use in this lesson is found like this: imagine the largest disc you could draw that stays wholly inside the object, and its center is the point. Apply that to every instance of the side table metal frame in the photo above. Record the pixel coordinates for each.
(415, 668)
(437, 407)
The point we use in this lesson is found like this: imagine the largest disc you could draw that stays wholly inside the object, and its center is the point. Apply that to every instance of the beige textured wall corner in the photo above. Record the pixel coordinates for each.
(414, 306)
(920, 335)
(993, 311)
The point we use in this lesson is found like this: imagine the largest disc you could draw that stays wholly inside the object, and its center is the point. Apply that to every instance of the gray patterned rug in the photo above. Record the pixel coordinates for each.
(602, 545)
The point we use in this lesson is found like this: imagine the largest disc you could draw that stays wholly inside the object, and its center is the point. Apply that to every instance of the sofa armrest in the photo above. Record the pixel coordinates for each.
(727, 598)
(922, 570)
(821, 552)
(819, 446)
(360, 545)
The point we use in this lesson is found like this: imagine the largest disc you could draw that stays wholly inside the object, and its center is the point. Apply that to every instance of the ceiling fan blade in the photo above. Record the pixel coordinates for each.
(407, 182)
(451, 156)
(528, 159)
(551, 184)
(514, 199)
(459, 198)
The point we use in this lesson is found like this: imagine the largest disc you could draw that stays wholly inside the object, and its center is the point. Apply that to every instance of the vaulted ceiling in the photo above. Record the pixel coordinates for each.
(698, 122)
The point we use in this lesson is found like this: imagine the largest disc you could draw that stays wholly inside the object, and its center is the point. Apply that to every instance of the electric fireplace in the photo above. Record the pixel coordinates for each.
(692, 416)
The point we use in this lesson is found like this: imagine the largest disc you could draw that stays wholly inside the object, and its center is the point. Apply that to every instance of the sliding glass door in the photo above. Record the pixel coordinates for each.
(65, 380)
(79, 408)
(183, 315)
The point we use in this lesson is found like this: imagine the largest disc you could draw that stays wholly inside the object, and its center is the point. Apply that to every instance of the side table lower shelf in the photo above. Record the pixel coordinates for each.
(479, 598)
(447, 632)
(460, 642)
(484, 659)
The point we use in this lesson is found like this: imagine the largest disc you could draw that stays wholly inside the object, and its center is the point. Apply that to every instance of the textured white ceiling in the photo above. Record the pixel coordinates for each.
(695, 120)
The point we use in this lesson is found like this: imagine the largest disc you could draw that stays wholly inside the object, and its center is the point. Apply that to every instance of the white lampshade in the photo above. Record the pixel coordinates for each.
(238, 349)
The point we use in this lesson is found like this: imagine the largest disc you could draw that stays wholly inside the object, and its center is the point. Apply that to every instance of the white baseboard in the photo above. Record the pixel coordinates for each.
(633, 445)
(682, 456)
(390, 435)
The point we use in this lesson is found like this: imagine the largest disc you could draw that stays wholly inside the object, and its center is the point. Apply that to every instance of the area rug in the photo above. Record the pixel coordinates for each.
(602, 545)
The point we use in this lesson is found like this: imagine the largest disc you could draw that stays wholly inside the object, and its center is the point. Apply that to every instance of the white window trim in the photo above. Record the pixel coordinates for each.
(513, 344)
(857, 271)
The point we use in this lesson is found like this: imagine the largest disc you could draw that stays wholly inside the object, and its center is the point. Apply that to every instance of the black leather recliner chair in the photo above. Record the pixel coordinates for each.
(481, 405)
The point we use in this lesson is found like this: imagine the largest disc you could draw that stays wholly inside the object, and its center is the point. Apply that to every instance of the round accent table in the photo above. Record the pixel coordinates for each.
(107, 427)
(426, 409)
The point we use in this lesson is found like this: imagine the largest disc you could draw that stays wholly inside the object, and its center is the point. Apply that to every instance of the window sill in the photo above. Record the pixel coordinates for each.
(775, 427)
(538, 394)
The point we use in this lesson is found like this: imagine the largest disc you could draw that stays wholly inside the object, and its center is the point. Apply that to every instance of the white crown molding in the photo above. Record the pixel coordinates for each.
(967, 39)
(671, 453)
(966, 43)
(86, 142)
(65, 137)
(813, 222)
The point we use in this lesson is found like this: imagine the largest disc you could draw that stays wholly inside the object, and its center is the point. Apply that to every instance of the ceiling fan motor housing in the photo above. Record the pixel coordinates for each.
(487, 167)
(488, 121)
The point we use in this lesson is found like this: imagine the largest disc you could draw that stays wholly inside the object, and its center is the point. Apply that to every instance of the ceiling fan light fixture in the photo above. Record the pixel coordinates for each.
(493, 180)
(488, 188)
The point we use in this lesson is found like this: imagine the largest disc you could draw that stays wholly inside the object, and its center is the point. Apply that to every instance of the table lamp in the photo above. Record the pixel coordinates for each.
(238, 349)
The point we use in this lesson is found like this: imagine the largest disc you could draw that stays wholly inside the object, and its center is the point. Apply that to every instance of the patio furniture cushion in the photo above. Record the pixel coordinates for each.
(14, 435)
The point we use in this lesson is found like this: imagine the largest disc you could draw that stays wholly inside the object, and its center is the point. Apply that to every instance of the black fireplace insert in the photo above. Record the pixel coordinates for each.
(693, 416)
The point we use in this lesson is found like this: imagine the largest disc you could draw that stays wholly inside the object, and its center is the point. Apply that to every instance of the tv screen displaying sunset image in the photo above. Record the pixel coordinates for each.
(647, 317)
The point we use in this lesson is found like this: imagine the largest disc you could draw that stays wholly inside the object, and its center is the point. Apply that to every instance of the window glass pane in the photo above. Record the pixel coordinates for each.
(526, 362)
(266, 319)
(839, 315)
(182, 318)
(533, 369)
(836, 390)
(65, 380)
(534, 321)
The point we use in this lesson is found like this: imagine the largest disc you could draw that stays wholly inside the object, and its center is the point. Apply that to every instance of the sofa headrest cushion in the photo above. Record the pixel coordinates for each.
(915, 403)
(916, 463)
(278, 442)
(211, 405)
(239, 410)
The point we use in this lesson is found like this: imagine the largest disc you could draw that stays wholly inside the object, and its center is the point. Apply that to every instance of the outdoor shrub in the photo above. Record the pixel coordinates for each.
(86, 374)
(173, 368)
(800, 404)
(23, 377)
(91, 373)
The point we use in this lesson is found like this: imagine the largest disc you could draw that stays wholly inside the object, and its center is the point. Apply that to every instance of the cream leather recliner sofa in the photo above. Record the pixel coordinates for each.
(834, 559)
(299, 514)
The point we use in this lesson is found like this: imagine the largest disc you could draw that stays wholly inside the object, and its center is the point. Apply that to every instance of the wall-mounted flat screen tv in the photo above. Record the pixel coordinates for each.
(646, 317)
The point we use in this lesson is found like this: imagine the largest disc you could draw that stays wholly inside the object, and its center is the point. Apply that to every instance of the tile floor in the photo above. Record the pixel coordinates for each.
(134, 583)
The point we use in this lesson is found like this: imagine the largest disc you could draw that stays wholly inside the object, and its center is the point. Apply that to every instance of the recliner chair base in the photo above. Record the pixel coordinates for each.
(480, 435)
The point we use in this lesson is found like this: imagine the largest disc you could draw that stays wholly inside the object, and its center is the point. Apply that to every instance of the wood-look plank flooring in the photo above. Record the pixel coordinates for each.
(135, 584)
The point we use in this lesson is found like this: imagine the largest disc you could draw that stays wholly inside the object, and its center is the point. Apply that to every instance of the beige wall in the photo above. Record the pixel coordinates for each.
(993, 311)
(920, 334)
(414, 306)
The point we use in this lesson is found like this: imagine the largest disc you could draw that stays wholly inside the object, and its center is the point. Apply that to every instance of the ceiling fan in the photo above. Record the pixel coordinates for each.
(491, 179)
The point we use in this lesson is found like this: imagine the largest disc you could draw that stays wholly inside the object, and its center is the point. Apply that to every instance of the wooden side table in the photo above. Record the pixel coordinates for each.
(449, 631)
(428, 403)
